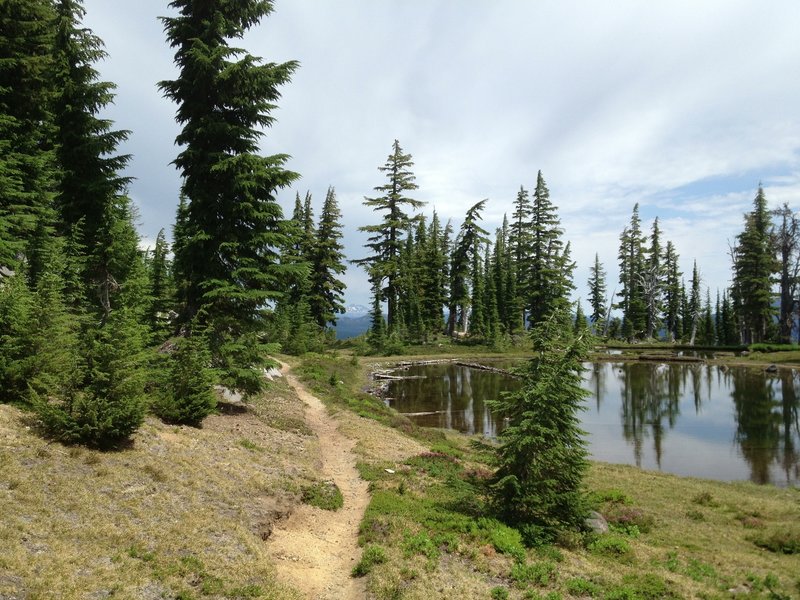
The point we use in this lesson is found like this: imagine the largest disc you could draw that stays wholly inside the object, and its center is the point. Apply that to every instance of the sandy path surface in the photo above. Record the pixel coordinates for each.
(314, 549)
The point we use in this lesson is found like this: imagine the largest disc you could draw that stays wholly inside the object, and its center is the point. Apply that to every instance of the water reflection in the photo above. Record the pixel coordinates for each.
(689, 419)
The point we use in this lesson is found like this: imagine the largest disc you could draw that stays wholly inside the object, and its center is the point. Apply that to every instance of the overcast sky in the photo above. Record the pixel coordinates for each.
(681, 106)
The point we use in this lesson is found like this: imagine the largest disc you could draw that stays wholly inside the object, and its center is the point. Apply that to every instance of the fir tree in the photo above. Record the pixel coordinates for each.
(90, 189)
(542, 455)
(546, 283)
(27, 168)
(464, 266)
(672, 294)
(186, 395)
(631, 267)
(597, 294)
(233, 226)
(326, 298)
(161, 293)
(786, 236)
(753, 267)
(386, 239)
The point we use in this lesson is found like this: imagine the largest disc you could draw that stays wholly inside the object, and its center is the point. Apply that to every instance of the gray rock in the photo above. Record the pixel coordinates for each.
(596, 523)
(772, 369)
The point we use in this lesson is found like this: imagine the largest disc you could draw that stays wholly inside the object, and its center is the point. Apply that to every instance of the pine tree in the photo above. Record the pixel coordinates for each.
(672, 294)
(753, 267)
(186, 395)
(519, 242)
(161, 293)
(786, 236)
(233, 225)
(542, 455)
(90, 189)
(545, 283)
(27, 168)
(652, 281)
(16, 323)
(597, 294)
(694, 307)
(386, 239)
(433, 271)
(465, 264)
(631, 267)
(327, 264)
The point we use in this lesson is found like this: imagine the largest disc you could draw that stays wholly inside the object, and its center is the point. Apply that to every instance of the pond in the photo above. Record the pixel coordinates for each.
(693, 419)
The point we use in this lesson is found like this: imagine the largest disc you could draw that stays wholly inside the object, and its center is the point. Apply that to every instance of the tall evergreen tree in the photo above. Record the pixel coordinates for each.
(27, 169)
(463, 269)
(327, 290)
(597, 294)
(546, 281)
(631, 267)
(161, 293)
(386, 239)
(672, 294)
(753, 267)
(786, 237)
(91, 190)
(234, 225)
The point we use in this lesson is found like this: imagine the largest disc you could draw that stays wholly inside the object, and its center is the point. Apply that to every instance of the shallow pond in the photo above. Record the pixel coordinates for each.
(688, 419)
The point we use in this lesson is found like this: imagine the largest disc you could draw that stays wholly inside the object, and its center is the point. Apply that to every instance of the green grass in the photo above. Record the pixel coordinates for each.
(324, 494)
(671, 537)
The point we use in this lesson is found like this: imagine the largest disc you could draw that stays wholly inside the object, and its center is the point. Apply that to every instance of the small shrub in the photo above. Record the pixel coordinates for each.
(611, 546)
(325, 495)
(569, 539)
(372, 555)
(583, 587)
(252, 446)
(695, 515)
(499, 593)
(420, 543)
(628, 517)
(612, 496)
(699, 571)
(704, 499)
(541, 574)
(550, 553)
(505, 539)
(648, 586)
(779, 541)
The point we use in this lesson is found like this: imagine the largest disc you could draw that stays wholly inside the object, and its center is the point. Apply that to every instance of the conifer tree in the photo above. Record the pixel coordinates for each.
(27, 169)
(519, 242)
(91, 190)
(753, 267)
(327, 264)
(386, 239)
(161, 293)
(694, 307)
(546, 280)
(233, 225)
(672, 294)
(542, 455)
(464, 264)
(631, 266)
(597, 294)
(433, 271)
(786, 236)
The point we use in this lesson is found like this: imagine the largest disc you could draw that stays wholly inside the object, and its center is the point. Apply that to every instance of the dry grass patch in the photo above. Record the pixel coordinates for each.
(181, 513)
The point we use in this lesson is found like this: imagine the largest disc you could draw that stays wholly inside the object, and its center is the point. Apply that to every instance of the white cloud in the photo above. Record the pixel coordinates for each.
(616, 103)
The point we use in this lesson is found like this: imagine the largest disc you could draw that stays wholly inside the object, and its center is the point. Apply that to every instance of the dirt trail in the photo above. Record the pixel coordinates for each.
(315, 550)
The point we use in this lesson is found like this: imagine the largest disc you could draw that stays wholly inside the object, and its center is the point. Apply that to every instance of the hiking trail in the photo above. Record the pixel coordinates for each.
(315, 550)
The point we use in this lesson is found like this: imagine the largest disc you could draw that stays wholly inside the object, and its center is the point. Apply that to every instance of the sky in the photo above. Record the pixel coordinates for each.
(683, 107)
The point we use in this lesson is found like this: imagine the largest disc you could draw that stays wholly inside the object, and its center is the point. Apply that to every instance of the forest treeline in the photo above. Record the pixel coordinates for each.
(94, 332)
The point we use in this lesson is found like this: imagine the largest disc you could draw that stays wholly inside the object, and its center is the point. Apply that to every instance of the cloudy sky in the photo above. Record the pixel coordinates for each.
(681, 106)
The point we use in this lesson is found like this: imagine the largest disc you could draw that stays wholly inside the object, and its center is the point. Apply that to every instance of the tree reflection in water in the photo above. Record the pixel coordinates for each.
(733, 423)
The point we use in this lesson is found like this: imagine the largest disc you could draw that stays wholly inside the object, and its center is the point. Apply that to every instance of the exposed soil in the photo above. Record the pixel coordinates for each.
(314, 550)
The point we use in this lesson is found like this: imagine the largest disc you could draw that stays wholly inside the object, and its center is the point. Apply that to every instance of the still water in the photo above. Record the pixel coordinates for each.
(689, 419)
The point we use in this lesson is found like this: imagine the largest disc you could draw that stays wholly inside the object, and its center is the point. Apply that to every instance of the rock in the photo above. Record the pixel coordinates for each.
(389, 471)
(772, 369)
(596, 523)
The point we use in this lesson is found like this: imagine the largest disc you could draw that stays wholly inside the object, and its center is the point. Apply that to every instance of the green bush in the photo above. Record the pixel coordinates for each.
(612, 546)
(371, 556)
(324, 494)
(781, 542)
(540, 573)
(505, 539)
(499, 593)
(583, 587)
